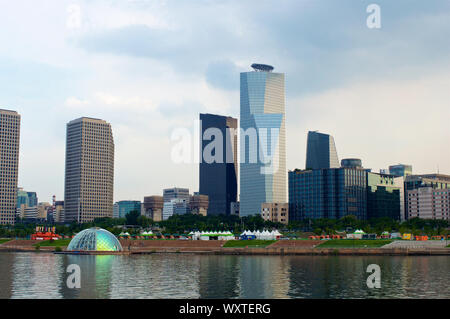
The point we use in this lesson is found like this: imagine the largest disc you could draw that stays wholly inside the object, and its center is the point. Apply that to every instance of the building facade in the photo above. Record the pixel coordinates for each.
(89, 173)
(262, 139)
(29, 199)
(176, 192)
(199, 204)
(400, 170)
(275, 212)
(58, 211)
(433, 181)
(321, 151)
(385, 196)
(122, 208)
(176, 206)
(9, 165)
(351, 163)
(429, 203)
(327, 193)
(219, 163)
(153, 207)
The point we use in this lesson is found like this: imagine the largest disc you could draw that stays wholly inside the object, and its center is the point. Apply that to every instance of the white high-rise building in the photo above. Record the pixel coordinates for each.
(89, 179)
(9, 165)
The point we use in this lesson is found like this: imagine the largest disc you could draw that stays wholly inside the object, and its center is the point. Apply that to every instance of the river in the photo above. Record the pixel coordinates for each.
(44, 275)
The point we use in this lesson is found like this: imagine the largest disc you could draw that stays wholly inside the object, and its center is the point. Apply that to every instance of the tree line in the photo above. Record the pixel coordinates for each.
(182, 224)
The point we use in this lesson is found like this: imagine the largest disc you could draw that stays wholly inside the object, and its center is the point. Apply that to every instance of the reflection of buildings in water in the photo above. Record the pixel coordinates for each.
(95, 276)
(409, 269)
(6, 275)
(218, 277)
(325, 276)
(156, 276)
(36, 276)
(263, 277)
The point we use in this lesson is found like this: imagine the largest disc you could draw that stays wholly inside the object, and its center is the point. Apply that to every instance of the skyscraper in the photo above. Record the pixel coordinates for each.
(218, 177)
(9, 164)
(263, 139)
(321, 151)
(89, 179)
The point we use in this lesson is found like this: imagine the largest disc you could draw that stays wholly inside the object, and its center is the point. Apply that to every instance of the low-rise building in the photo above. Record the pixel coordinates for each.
(275, 212)
(153, 207)
(199, 204)
(400, 170)
(58, 212)
(385, 196)
(122, 208)
(415, 182)
(176, 206)
(429, 203)
(29, 212)
(42, 210)
(234, 208)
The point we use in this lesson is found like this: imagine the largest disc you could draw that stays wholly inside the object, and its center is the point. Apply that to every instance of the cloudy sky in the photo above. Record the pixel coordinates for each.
(151, 66)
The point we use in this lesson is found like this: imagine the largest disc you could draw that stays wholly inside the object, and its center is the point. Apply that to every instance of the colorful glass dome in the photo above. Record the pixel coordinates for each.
(94, 239)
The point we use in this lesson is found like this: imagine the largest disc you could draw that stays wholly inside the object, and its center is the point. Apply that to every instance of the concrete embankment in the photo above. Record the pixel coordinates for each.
(284, 248)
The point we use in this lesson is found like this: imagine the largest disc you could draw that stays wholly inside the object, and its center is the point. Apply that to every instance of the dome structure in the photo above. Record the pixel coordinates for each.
(94, 239)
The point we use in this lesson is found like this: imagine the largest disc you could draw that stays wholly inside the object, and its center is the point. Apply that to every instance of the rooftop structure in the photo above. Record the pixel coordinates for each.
(262, 67)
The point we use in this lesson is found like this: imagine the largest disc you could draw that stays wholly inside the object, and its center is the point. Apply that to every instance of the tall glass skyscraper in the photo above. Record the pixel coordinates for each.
(218, 179)
(321, 151)
(263, 174)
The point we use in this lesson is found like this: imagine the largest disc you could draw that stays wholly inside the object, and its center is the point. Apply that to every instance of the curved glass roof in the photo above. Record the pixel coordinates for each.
(94, 239)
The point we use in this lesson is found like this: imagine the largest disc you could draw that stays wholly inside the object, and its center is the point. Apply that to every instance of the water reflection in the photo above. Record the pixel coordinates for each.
(43, 275)
(96, 274)
(34, 274)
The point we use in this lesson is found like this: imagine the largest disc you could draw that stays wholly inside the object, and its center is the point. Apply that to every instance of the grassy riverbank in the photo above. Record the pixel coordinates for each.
(249, 243)
(54, 243)
(2, 241)
(354, 243)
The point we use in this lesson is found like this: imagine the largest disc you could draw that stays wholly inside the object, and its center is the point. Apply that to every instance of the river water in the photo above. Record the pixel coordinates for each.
(44, 275)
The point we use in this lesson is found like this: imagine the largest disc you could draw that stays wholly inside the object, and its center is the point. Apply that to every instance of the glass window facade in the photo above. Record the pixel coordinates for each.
(383, 197)
(122, 208)
(219, 180)
(263, 155)
(327, 193)
(94, 239)
(321, 151)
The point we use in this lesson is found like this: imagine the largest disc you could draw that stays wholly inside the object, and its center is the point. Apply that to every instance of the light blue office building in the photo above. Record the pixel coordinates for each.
(122, 208)
(263, 139)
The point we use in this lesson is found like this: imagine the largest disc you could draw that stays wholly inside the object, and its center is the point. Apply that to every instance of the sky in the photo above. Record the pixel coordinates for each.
(149, 67)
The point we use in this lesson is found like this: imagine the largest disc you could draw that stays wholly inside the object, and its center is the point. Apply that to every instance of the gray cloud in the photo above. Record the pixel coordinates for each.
(318, 44)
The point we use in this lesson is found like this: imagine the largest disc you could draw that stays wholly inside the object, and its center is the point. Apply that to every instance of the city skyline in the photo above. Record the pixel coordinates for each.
(341, 74)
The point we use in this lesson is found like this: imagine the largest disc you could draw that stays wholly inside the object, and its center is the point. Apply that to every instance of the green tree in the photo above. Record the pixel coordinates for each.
(132, 217)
